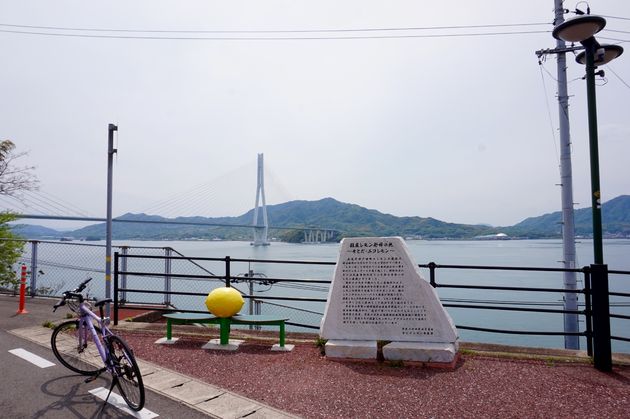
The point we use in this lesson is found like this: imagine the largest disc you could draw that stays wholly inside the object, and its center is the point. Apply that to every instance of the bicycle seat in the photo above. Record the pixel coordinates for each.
(101, 303)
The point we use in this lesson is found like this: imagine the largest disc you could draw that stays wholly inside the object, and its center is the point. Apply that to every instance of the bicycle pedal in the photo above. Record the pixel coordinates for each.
(95, 376)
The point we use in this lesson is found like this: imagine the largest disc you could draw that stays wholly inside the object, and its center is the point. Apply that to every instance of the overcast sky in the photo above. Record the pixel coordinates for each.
(455, 127)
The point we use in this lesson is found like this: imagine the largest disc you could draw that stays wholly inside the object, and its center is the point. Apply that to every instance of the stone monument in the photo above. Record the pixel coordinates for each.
(377, 294)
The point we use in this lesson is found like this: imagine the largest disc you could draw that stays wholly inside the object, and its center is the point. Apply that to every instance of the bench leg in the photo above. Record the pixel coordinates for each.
(169, 329)
(282, 334)
(225, 330)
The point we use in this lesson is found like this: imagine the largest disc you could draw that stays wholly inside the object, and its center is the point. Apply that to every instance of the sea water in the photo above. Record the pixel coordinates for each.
(516, 253)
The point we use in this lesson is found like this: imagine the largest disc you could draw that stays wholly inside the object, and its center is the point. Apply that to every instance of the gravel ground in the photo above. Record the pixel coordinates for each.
(305, 383)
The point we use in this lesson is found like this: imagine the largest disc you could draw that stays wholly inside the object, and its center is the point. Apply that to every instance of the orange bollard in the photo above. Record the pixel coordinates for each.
(21, 309)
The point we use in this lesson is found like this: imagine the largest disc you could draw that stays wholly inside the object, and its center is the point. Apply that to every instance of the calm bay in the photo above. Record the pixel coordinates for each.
(521, 253)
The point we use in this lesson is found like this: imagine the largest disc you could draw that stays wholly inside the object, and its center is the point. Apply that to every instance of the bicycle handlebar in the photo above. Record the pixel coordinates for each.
(76, 293)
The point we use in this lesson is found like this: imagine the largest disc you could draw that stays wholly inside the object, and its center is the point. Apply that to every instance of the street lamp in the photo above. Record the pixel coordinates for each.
(582, 29)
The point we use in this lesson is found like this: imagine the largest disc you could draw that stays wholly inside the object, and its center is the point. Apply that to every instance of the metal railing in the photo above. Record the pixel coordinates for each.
(227, 278)
(586, 312)
(163, 279)
(204, 282)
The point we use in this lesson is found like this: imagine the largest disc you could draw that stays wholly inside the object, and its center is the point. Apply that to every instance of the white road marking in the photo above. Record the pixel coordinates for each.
(32, 358)
(118, 402)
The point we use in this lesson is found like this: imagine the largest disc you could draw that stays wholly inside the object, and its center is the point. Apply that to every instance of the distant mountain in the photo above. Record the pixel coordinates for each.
(30, 231)
(348, 219)
(615, 221)
(353, 220)
(149, 231)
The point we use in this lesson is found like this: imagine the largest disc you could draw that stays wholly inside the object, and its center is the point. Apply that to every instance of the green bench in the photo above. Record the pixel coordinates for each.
(224, 324)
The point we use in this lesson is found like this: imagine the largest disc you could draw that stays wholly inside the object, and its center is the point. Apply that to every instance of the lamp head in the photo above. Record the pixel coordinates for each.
(579, 28)
(603, 55)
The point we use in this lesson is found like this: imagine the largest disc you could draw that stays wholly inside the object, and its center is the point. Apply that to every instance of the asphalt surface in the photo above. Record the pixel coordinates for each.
(28, 391)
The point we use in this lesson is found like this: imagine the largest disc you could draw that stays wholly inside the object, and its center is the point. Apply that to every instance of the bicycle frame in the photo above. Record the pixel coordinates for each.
(86, 325)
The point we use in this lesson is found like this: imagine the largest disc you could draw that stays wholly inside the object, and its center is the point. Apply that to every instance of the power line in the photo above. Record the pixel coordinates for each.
(287, 38)
(618, 76)
(553, 131)
(616, 17)
(386, 29)
(614, 39)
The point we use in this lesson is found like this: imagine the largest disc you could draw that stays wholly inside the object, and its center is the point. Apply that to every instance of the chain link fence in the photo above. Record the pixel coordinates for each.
(163, 277)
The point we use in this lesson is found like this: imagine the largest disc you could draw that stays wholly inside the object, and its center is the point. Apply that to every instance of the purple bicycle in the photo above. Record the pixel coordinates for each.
(87, 346)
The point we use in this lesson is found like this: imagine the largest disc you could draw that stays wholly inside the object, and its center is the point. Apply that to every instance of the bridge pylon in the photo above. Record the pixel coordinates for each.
(261, 227)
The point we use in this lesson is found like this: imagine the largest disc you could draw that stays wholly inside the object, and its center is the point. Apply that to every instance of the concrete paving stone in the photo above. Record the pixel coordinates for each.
(42, 339)
(268, 413)
(31, 332)
(161, 380)
(146, 368)
(194, 392)
(229, 406)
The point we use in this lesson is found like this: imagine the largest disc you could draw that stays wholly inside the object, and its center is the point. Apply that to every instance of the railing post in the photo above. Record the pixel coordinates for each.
(116, 257)
(250, 305)
(258, 312)
(432, 267)
(227, 271)
(33, 268)
(124, 250)
(588, 311)
(168, 252)
(601, 318)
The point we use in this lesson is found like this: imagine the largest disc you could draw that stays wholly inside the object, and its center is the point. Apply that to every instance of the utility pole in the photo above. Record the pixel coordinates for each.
(108, 240)
(566, 185)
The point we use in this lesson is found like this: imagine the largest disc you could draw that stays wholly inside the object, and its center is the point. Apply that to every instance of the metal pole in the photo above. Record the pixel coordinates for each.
(168, 252)
(596, 202)
(251, 292)
(108, 241)
(124, 250)
(33, 268)
(227, 271)
(116, 258)
(566, 187)
(602, 353)
(250, 304)
(599, 276)
(588, 312)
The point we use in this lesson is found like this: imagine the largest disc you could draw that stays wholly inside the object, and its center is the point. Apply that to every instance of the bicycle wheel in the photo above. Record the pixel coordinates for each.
(126, 369)
(83, 359)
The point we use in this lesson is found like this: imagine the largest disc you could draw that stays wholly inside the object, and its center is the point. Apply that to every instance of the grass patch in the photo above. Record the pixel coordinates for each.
(321, 344)
(48, 324)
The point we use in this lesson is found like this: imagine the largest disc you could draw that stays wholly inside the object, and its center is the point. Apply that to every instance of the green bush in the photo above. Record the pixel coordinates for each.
(10, 252)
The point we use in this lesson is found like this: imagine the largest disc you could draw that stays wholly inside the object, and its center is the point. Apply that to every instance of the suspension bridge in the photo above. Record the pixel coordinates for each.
(260, 224)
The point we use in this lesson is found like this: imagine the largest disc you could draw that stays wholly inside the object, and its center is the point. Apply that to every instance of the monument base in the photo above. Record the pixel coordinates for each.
(420, 352)
(351, 349)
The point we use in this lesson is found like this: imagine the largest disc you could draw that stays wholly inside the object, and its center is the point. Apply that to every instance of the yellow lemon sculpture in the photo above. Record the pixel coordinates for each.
(224, 302)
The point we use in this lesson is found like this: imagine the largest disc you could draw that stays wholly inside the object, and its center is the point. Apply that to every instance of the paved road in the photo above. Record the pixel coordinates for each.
(28, 391)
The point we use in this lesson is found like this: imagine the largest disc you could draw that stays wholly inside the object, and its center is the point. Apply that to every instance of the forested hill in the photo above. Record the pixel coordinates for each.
(354, 220)
(615, 220)
(348, 220)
